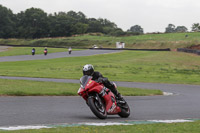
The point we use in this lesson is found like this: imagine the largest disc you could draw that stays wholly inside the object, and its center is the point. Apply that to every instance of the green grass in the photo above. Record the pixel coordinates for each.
(12, 51)
(133, 66)
(187, 127)
(37, 88)
(149, 41)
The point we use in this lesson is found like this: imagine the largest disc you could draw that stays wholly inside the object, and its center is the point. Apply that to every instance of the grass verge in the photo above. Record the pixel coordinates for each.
(187, 127)
(36, 88)
(133, 66)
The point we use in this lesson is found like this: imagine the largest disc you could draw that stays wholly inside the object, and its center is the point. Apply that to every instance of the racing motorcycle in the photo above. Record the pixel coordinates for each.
(45, 52)
(101, 100)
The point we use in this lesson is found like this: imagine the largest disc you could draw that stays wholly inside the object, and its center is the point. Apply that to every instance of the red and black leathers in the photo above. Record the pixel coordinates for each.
(99, 77)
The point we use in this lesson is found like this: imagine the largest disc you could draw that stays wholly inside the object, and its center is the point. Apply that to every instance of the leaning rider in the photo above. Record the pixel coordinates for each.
(88, 69)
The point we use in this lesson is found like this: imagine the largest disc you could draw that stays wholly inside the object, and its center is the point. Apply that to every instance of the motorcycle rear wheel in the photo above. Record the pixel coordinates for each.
(125, 111)
(97, 108)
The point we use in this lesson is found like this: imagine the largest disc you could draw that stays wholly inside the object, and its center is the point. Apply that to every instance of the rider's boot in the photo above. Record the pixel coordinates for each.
(116, 93)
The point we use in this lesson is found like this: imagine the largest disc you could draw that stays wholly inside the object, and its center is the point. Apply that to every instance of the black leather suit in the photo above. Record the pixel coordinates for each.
(98, 76)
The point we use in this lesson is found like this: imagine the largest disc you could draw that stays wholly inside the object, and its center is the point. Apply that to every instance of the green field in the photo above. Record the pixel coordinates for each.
(149, 41)
(133, 66)
(37, 88)
(187, 127)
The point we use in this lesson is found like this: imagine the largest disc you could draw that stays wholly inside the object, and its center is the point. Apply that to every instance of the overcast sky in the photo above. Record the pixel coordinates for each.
(151, 15)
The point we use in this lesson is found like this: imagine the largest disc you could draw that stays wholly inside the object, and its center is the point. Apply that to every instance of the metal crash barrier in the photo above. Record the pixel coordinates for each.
(189, 50)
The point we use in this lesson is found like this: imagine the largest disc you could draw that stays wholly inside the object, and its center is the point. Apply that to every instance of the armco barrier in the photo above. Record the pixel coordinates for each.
(189, 50)
(167, 49)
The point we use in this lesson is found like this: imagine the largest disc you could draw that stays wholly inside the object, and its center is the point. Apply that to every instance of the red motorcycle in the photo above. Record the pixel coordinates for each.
(101, 100)
(45, 52)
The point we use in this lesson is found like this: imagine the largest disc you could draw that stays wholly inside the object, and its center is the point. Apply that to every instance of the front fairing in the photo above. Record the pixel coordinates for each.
(88, 85)
(84, 80)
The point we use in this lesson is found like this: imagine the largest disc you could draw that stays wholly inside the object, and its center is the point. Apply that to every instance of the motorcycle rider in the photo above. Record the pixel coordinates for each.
(88, 69)
(45, 51)
(33, 51)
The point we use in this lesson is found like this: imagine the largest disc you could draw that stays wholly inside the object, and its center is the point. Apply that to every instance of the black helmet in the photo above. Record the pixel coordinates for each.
(88, 69)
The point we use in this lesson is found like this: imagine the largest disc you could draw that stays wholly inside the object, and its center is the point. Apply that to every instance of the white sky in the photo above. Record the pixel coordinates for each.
(151, 15)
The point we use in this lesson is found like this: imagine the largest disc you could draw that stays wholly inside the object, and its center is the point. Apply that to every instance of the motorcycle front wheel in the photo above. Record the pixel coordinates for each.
(97, 108)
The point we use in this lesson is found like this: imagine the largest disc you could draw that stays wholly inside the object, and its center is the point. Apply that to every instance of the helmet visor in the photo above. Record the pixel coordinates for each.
(87, 73)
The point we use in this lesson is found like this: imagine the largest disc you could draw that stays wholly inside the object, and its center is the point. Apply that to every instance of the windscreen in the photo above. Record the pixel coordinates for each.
(84, 80)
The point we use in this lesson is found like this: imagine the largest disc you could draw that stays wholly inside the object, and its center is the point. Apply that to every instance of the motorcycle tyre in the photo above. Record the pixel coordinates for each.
(93, 108)
(125, 112)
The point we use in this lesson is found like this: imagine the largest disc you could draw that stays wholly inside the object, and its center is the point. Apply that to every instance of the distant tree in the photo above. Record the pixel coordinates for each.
(7, 23)
(33, 23)
(196, 27)
(82, 17)
(181, 29)
(94, 25)
(107, 30)
(136, 29)
(77, 17)
(80, 28)
(61, 24)
(170, 28)
(117, 32)
(108, 27)
(107, 23)
(72, 14)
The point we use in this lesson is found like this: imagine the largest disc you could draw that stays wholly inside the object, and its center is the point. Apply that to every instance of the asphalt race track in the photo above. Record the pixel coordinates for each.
(56, 55)
(33, 110)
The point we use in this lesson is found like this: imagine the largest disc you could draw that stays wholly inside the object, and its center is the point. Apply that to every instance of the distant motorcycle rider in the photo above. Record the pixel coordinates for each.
(33, 51)
(88, 69)
(45, 51)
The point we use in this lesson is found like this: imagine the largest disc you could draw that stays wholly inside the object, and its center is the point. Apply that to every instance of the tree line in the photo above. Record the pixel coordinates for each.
(171, 28)
(35, 23)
